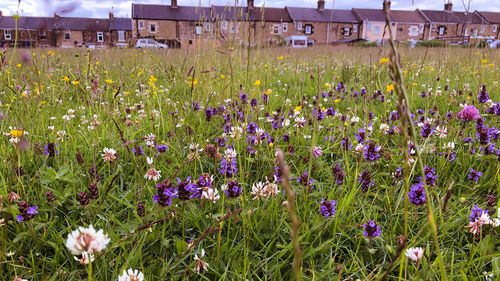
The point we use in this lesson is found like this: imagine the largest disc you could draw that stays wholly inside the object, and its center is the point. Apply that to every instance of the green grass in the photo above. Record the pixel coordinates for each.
(142, 90)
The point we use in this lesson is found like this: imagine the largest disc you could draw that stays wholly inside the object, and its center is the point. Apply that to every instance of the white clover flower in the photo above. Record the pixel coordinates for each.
(85, 259)
(200, 264)
(236, 132)
(259, 190)
(109, 154)
(230, 154)
(87, 240)
(152, 174)
(131, 275)
(210, 194)
(415, 254)
(449, 146)
(384, 128)
(149, 160)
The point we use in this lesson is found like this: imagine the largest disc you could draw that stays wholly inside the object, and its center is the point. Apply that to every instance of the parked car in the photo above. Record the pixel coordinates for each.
(149, 43)
(494, 44)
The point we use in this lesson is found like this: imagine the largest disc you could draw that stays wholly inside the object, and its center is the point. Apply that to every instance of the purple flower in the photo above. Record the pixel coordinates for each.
(186, 189)
(474, 175)
(32, 210)
(304, 179)
(50, 149)
(19, 218)
(316, 151)
(483, 95)
(196, 106)
(430, 175)
(417, 194)
(469, 113)
(165, 193)
(228, 169)
(338, 174)
(232, 189)
(426, 130)
(366, 180)
(371, 151)
(138, 151)
(162, 148)
(398, 175)
(327, 208)
(346, 145)
(372, 230)
(475, 213)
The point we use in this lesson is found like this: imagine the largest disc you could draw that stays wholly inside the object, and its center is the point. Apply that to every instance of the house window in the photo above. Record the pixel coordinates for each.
(421, 28)
(413, 30)
(482, 28)
(354, 28)
(495, 28)
(276, 29)
(442, 30)
(121, 35)
(376, 30)
(299, 26)
(207, 26)
(141, 24)
(100, 37)
(308, 29)
(67, 35)
(369, 27)
(7, 35)
(346, 31)
(42, 35)
(152, 28)
(433, 27)
(197, 29)
(285, 27)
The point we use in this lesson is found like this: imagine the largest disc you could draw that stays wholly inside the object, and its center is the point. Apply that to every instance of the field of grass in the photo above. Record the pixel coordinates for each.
(142, 144)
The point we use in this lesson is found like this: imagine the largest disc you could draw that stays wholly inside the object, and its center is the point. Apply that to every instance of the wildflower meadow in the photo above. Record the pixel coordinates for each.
(325, 163)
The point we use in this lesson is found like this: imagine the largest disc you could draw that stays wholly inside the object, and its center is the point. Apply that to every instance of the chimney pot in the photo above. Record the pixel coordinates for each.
(1, 13)
(448, 6)
(321, 5)
(173, 3)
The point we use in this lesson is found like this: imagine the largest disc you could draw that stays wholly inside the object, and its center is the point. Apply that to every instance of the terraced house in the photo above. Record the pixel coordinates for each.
(65, 32)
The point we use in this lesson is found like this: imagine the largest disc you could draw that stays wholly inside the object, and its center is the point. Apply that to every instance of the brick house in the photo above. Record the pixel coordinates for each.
(324, 26)
(120, 30)
(31, 31)
(269, 26)
(173, 25)
(492, 30)
(454, 26)
(72, 32)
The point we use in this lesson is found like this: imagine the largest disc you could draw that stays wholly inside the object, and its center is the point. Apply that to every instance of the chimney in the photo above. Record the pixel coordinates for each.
(173, 3)
(321, 5)
(1, 13)
(448, 6)
(250, 4)
(388, 3)
(111, 15)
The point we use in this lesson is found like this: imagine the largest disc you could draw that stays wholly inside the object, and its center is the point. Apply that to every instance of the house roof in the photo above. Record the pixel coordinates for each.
(370, 14)
(120, 24)
(166, 12)
(406, 16)
(83, 24)
(231, 13)
(326, 15)
(452, 17)
(491, 17)
(269, 14)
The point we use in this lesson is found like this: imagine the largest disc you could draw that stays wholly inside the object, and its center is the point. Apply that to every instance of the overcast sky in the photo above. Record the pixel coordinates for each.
(101, 8)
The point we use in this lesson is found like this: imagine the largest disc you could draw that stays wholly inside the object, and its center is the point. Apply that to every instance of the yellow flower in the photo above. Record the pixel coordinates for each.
(297, 108)
(34, 54)
(222, 76)
(16, 133)
(484, 61)
(271, 144)
(257, 83)
(97, 63)
(193, 82)
(327, 85)
(42, 102)
(414, 84)
(66, 78)
(127, 93)
(336, 101)
(383, 60)
(280, 58)
(75, 82)
(109, 81)
(19, 65)
(152, 78)
(389, 88)
(268, 91)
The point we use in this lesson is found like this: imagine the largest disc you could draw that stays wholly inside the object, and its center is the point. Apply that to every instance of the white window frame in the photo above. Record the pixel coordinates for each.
(69, 35)
(421, 28)
(43, 34)
(299, 25)
(346, 31)
(285, 27)
(355, 28)
(155, 27)
(141, 24)
(442, 30)
(101, 35)
(198, 29)
(495, 28)
(482, 29)
(7, 34)
(376, 30)
(275, 29)
(308, 29)
(121, 35)
(208, 26)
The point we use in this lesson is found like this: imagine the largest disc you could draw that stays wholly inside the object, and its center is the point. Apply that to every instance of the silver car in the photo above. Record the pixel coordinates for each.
(149, 43)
